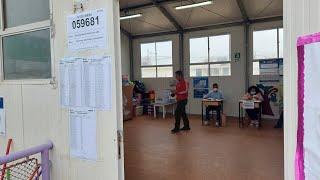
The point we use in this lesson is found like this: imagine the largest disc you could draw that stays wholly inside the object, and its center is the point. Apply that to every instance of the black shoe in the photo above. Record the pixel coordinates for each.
(185, 128)
(175, 130)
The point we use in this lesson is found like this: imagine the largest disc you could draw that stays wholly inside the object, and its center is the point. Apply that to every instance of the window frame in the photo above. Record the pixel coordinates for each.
(156, 66)
(278, 49)
(209, 63)
(21, 29)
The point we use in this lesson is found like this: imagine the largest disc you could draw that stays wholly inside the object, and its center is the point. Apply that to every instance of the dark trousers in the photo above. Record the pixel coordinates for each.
(280, 121)
(213, 108)
(181, 113)
(253, 113)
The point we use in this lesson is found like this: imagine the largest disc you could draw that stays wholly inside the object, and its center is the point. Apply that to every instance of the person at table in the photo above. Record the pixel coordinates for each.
(253, 93)
(181, 94)
(214, 94)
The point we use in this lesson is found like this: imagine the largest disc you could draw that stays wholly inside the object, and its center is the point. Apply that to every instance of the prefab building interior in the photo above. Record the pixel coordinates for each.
(83, 84)
(224, 41)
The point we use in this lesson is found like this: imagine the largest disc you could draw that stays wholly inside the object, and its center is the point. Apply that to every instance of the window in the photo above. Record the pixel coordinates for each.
(267, 44)
(210, 56)
(156, 59)
(26, 40)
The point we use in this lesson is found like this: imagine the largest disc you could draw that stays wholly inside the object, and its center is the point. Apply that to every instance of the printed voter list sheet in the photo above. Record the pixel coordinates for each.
(83, 133)
(87, 30)
(86, 82)
(71, 82)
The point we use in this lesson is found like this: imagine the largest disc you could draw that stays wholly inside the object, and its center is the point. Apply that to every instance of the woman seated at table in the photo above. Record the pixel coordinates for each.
(253, 94)
(214, 94)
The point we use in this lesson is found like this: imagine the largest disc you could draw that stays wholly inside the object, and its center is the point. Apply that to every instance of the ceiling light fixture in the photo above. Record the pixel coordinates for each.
(205, 3)
(130, 16)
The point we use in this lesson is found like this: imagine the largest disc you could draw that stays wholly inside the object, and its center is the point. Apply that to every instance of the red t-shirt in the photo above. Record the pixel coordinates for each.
(182, 90)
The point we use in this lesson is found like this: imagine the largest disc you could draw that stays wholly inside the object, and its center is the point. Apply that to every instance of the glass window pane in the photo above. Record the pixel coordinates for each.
(148, 54)
(199, 70)
(256, 68)
(164, 53)
(19, 12)
(27, 56)
(199, 50)
(148, 72)
(265, 44)
(220, 69)
(281, 43)
(165, 71)
(219, 48)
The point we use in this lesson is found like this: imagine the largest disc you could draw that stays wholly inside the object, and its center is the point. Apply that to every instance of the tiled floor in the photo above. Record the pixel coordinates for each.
(204, 153)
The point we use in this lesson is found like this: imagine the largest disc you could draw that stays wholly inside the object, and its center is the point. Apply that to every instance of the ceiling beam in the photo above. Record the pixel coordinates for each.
(216, 26)
(146, 5)
(164, 11)
(243, 11)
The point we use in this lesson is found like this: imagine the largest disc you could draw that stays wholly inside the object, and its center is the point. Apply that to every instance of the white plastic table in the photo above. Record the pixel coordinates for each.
(164, 107)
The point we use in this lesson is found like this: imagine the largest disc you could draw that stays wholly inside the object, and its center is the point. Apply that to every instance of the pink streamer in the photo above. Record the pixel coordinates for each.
(299, 160)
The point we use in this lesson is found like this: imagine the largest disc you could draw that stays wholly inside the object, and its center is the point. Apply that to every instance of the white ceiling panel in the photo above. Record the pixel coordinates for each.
(152, 20)
(263, 8)
(128, 3)
(219, 12)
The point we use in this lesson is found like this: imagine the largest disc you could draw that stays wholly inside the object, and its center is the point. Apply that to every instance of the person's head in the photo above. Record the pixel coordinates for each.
(215, 87)
(253, 90)
(179, 75)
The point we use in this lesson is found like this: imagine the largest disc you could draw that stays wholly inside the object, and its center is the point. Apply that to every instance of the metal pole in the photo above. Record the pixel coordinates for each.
(181, 51)
(131, 58)
(45, 165)
(248, 59)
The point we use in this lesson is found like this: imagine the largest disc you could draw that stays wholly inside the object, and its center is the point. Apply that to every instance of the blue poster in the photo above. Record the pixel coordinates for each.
(200, 82)
(199, 93)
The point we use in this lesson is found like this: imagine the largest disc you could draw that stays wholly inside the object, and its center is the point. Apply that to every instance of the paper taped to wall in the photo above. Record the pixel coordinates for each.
(87, 30)
(83, 133)
(86, 82)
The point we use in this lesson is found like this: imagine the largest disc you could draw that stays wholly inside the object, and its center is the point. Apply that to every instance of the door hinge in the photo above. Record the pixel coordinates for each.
(120, 140)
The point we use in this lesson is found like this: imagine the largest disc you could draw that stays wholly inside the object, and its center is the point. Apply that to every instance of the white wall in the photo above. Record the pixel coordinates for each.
(300, 17)
(125, 55)
(232, 86)
(34, 114)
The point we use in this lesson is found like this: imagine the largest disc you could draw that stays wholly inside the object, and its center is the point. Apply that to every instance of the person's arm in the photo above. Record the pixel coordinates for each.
(207, 95)
(182, 90)
(221, 96)
(260, 97)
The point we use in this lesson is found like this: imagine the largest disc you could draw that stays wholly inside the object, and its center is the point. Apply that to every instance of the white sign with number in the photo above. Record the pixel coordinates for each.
(87, 30)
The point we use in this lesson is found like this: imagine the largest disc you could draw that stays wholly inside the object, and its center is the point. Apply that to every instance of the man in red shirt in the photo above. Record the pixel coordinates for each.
(181, 93)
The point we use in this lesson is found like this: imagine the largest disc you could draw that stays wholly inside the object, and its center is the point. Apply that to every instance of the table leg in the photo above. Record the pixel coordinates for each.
(173, 108)
(202, 112)
(154, 112)
(239, 114)
(163, 112)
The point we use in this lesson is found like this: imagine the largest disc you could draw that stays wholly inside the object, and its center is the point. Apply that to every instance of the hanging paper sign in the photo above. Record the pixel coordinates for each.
(308, 135)
(248, 104)
(87, 30)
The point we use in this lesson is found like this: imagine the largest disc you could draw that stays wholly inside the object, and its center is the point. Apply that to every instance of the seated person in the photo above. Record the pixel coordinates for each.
(215, 94)
(253, 94)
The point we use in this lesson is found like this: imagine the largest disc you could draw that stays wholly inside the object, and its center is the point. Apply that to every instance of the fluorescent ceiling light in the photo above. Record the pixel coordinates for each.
(130, 16)
(205, 3)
